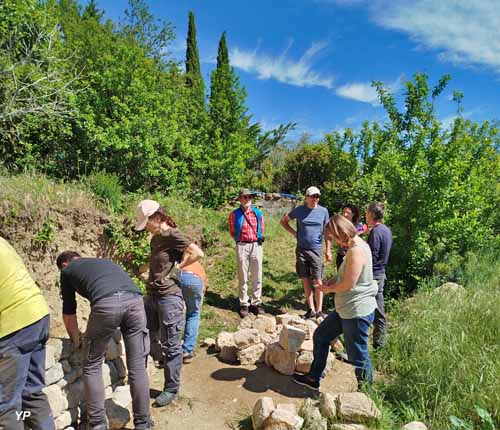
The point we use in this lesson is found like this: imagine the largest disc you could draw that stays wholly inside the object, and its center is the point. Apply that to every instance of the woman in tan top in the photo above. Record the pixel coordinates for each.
(171, 252)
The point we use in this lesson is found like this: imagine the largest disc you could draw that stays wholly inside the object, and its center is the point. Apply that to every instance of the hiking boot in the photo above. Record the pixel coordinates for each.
(257, 309)
(243, 311)
(321, 315)
(165, 398)
(342, 356)
(309, 314)
(306, 381)
(187, 357)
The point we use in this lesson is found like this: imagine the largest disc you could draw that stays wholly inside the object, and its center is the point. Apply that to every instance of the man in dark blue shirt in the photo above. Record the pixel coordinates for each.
(380, 241)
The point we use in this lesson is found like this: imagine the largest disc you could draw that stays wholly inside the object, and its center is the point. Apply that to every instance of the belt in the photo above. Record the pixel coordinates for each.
(246, 241)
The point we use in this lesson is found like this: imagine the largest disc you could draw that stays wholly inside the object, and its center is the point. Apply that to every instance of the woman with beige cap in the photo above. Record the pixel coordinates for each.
(171, 252)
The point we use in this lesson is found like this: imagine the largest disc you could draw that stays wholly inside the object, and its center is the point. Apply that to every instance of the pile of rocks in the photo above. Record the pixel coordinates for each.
(283, 342)
(63, 377)
(348, 411)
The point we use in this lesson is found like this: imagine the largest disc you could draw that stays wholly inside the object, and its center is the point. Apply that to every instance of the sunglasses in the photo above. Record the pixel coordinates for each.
(314, 196)
(246, 197)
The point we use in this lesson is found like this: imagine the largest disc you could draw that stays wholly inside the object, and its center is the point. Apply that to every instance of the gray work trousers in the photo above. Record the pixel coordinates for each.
(249, 258)
(126, 311)
(380, 321)
(166, 315)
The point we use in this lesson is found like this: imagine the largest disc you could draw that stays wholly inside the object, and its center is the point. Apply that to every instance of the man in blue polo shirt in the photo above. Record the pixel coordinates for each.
(311, 219)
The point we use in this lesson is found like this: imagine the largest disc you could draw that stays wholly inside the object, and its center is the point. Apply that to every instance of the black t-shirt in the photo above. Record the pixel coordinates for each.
(92, 278)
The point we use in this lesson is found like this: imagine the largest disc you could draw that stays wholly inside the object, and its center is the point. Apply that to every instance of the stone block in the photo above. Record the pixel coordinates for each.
(283, 361)
(262, 410)
(54, 374)
(291, 338)
(357, 408)
(57, 400)
(252, 355)
(265, 324)
(327, 405)
(49, 356)
(246, 337)
(304, 361)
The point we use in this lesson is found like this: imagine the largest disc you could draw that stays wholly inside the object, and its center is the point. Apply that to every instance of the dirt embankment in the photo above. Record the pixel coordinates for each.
(41, 235)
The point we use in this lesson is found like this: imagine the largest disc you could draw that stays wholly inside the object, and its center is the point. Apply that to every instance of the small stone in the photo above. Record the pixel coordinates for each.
(414, 425)
(282, 419)
(283, 361)
(246, 337)
(307, 345)
(208, 342)
(357, 407)
(264, 324)
(63, 420)
(58, 402)
(118, 416)
(50, 360)
(252, 355)
(122, 396)
(262, 410)
(54, 374)
(291, 338)
(304, 361)
(327, 405)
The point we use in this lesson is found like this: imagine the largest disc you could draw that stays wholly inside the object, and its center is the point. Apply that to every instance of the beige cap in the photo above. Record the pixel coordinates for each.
(312, 190)
(144, 210)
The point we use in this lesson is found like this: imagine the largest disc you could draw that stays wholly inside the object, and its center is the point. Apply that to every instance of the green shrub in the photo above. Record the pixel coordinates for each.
(107, 187)
(442, 360)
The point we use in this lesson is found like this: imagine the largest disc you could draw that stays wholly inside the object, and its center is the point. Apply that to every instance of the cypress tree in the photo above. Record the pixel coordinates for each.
(193, 69)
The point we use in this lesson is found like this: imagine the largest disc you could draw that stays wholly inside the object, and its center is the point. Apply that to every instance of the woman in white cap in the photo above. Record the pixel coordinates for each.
(171, 252)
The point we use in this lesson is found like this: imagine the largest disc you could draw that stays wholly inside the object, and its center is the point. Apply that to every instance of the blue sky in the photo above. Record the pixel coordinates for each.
(312, 61)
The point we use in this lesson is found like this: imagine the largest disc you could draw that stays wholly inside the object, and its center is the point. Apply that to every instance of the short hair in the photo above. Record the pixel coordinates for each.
(66, 257)
(356, 213)
(377, 209)
(341, 228)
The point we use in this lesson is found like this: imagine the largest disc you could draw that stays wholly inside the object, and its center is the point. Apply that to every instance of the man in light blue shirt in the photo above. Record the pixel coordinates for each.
(311, 219)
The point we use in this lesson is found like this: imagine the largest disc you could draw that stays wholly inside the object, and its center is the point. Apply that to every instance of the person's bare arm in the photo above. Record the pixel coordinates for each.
(71, 324)
(328, 249)
(191, 254)
(355, 260)
(285, 222)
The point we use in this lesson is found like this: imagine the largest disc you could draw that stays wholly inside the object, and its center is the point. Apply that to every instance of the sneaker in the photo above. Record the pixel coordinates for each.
(306, 381)
(165, 398)
(243, 311)
(187, 357)
(309, 314)
(257, 309)
(342, 356)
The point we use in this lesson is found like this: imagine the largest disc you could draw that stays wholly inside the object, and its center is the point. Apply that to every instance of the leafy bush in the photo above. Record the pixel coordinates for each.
(106, 186)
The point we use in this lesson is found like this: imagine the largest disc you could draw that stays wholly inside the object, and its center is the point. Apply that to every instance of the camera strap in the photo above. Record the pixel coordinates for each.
(250, 224)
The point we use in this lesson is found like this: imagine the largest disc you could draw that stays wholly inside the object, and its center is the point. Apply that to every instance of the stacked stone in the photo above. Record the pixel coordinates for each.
(283, 342)
(64, 385)
(346, 411)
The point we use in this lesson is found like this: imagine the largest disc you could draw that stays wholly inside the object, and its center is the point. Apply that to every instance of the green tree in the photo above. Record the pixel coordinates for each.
(194, 78)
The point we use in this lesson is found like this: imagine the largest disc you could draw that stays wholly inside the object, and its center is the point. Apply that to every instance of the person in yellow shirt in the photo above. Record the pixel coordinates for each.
(24, 330)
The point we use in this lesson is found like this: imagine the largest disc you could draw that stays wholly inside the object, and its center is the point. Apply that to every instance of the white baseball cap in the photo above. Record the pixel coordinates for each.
(312, 190)
(144, 210)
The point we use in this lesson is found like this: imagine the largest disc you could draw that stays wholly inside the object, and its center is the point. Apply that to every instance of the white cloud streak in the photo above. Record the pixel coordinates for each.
(283, 68)
(364, 92)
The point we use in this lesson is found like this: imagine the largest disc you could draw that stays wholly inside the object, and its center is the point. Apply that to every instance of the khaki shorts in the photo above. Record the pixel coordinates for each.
(309, 263)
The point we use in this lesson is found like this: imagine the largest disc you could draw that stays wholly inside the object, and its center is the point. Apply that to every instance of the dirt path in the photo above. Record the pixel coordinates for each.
(216, 395)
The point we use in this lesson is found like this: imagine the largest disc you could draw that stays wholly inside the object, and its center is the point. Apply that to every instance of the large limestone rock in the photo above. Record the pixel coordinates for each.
(414, 425)
(283, 419)
(268, 338)
(264, 324)
(283, 361)
(63, 420)
(357, 408)
(227, 347)
(262, 410)
(307, 345)
(49, 356)
(312, 416)
(252, 355)
(58, 402)
(54, 374)
(304, 361)
(327, 405)
(247, 322)
(284, 319)
(246, 337)
(337, 426)
(291, 338)
(118, 416)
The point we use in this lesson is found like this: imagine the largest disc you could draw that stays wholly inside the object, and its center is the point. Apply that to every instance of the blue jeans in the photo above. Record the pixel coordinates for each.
(22, 377)
(355, 340)
(165, 315)
(192, 290)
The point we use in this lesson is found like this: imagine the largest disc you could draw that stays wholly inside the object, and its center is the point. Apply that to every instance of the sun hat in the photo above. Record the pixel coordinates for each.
(144, 210)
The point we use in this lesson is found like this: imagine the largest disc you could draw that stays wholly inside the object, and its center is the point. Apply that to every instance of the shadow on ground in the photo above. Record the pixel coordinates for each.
(261, 379)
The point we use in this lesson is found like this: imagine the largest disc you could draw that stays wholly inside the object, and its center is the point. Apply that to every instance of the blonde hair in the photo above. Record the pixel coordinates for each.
(340, 228)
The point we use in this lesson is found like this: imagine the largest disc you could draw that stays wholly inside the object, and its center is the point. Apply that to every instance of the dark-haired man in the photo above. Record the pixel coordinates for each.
(115, 302)
(380, 241)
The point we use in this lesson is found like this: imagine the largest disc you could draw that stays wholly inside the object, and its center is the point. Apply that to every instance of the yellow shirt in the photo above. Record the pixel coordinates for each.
(21, 301)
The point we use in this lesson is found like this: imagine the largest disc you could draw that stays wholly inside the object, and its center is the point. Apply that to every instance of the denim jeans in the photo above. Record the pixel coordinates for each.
(380, 321)
(166, 315)
(192, 290)
(356, 343)
(22, 377)
(124, 310)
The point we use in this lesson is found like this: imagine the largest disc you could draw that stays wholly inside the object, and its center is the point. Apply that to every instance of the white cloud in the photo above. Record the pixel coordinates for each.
(462, 31)
(364, 92)
(283, 68)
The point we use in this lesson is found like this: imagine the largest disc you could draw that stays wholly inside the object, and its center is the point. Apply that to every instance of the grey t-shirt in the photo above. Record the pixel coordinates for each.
(360, 301)
(310, 224)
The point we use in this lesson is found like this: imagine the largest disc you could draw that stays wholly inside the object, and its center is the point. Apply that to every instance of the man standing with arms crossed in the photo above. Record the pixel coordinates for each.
(380, 242)
(311, 219)
(24, 330)
(115, 302)
(246, 226)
